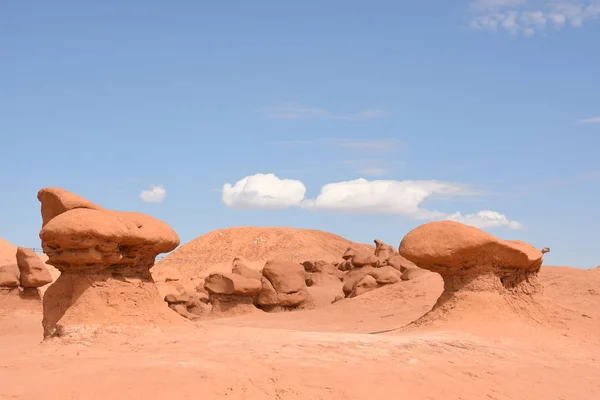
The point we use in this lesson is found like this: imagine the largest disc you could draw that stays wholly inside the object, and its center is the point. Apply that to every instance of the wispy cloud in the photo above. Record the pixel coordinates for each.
(370, 145)
(374, 171)
(592, 120)
(278, 112)
(370, 157)
(531, 17)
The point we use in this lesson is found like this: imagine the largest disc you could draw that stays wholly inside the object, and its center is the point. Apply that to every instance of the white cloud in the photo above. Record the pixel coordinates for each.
(383, 197)
(530, 17)
(360, 196)
(263, 191)
(593, 120)
(316, 113)
(485, 219)
(156, 194)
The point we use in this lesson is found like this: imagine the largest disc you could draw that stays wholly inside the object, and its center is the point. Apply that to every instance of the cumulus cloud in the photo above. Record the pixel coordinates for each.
(263, 191)
(533, 16)
(383, 197)
(155, 194)
(485, 219)
(360, 196)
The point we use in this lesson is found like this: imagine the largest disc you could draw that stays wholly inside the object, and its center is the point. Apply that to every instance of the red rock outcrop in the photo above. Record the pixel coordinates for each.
(189, 305)
(33, 272)
(232, 294)
(105, 259)
(283, 285)
(383, 251)
(9, 276)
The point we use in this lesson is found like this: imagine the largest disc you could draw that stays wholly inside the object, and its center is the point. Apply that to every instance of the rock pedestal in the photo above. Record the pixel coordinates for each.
(475, 266)
(104, 258)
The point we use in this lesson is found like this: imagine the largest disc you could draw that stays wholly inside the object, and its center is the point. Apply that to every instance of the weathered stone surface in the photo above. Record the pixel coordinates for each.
(366, 284)
(9, 276)
(398, 262)
(32, 270)
(470, 259)
(283, 284)
(240, 268)
(382, 250)
(105, 259)
(413, 273)
(386, 275)
(218, 283)
(361, 258)
(353, 276)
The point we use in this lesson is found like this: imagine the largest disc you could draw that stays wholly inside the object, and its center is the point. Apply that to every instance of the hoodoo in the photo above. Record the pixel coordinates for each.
(105, 259)
(476, 266)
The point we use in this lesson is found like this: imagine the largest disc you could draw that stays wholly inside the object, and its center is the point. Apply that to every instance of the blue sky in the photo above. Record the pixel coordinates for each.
(441, 107)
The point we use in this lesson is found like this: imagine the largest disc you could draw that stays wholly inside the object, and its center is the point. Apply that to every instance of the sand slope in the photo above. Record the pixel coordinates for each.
(349, 350)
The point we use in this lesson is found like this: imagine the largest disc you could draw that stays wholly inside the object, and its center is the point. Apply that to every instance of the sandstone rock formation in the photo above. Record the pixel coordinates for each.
(189, 305)
(239, 267)
(105, 259)
(383, 251)
(283, 285)
(32, 270)
(471, 261)
(214, 251)
(324, 283)
(232, 293)
(9, 276)
(361, 258)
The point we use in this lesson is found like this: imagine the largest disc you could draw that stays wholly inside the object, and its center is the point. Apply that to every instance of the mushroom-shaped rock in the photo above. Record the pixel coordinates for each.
(32, 270)
(283, 285)
(232, 293)
(455, 250)
(472, 262)
(105, 259)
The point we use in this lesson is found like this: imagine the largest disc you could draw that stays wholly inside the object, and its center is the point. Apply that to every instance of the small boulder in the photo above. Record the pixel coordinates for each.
(361, 258)
(366, 284)
(283, 285)
(218, 283)
(386, 275)
(240, 268)
(399, 263)
(33, 271)
(353, 276)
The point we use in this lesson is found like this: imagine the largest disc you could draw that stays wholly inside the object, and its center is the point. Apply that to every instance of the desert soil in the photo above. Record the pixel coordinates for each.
(349, 350)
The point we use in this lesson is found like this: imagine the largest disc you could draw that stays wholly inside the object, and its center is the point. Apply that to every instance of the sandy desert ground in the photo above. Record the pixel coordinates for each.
(352, 349)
